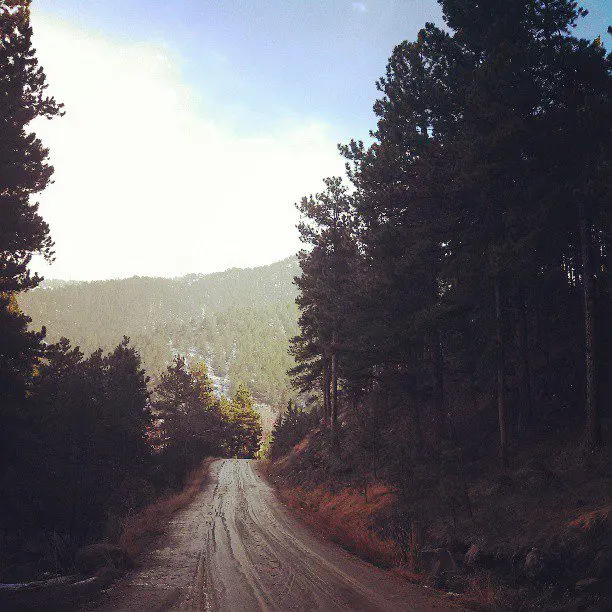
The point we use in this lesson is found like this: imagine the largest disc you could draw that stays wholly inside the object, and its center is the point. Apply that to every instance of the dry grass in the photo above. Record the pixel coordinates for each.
(347, 518)
(406, 574)
(141, 529)
(586, 521)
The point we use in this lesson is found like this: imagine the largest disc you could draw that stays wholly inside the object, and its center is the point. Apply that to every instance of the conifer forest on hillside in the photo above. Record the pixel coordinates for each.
(436, 361)
(238, 322)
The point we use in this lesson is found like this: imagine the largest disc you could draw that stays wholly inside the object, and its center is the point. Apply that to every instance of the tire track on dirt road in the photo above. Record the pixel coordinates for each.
(236, 548)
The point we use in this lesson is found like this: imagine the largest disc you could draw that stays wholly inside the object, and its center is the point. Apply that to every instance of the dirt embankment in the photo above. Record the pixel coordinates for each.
(536, 535)
(141, 529)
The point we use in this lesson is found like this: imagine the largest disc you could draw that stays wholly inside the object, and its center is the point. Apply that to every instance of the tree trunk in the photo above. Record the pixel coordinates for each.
(501, 381)
(439, 387)
(334, 383)
(593, 425)
(526, 410)
(416, 537)
(325, 389)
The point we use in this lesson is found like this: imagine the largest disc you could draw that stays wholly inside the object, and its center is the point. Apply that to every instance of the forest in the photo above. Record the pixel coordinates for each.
(455, 296)
(465, 262)
(239, 322)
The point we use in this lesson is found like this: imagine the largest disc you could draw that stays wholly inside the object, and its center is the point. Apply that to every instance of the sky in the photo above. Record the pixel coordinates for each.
(193, 126)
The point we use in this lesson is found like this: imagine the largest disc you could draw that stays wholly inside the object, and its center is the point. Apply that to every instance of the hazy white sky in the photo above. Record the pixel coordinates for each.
(193, 126)
(148, 183)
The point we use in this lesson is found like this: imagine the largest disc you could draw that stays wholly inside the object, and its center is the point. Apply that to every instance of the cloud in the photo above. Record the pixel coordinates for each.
(360, 7)
(148, 184)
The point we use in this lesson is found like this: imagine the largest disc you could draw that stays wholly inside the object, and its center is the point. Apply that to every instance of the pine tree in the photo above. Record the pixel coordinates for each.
(577, 161)
(24, 171)
(325, 285)
(290, 428)
(525, 59)
(403, 222)
(244, 423)
(204, 385)
(24, 167)
(191, 423)
(127, 415)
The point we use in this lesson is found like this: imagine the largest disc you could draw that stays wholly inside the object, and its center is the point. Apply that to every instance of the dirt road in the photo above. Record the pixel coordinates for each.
(236, 548)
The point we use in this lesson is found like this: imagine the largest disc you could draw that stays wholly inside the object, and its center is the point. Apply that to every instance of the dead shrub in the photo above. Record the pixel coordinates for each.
(143, 527)
(347, 519)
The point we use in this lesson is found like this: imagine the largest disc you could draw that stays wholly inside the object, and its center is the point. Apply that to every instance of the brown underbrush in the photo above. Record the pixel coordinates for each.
(141, 529)
(347, 518)
(536, 535)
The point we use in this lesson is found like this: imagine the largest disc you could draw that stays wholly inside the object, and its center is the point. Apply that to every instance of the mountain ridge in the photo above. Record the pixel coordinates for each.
(60, 282)
(238, 321)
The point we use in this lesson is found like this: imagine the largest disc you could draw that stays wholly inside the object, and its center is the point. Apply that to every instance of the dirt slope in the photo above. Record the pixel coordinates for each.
(236, 548)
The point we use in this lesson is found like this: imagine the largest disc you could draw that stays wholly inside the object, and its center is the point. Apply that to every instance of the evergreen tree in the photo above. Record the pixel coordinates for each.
(24, 167)
(244, 423)
(190, 422)
(204, 385)
(24, 171)
(478, 217)
(402, 219)
(127, 416)
(515, 90)
(290, 428)
(325, 285)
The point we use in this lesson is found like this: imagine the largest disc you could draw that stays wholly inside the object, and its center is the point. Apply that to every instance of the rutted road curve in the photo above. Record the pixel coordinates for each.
(236, 548)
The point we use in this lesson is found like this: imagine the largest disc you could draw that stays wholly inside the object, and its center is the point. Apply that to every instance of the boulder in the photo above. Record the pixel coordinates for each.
(456, 582)
(534, 477)
(535, 565)
(602, 563)
(437, 560)
(21, 572)
(472, 556)
(587, 585)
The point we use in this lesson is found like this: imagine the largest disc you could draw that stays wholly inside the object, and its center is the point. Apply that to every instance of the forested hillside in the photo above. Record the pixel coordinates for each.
(238, 321)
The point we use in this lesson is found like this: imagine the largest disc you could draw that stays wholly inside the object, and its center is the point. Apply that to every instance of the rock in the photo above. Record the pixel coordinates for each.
(21, 572)
(586, 544)
(602, 563)
(586, 585)
(92, 558)
(472, 556)
(517, 560)
(437, 560)
(535, 565)
(503, 486)
(596, 520)
(106, 575)
(534, 477)
(456, 582)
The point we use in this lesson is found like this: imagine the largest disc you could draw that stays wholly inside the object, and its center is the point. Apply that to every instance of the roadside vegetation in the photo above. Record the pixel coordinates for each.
(93, 447)
(141, 529)
(455, 314)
